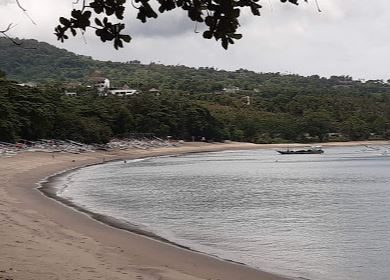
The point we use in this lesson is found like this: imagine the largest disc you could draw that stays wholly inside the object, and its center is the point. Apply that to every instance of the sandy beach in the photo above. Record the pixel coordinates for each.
(43, 239)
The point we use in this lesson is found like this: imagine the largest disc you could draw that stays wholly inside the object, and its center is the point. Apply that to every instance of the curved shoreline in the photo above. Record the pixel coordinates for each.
(42, 239)
(48, 188)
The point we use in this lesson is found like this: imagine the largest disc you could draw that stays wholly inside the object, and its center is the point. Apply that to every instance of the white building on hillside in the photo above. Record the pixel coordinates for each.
(100, 83)
(123, 92)
(231, 89)
(71, 94)
(103, 87)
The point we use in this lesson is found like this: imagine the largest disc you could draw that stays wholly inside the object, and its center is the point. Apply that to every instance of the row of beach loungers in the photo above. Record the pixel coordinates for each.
(142, 143)
(69, 146)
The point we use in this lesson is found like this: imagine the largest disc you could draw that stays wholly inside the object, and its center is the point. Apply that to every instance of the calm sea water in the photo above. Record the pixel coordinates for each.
(311, 216)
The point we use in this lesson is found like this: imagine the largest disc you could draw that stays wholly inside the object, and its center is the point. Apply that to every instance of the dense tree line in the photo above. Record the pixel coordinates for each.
(32, 113)
(238, 105)
(302, 117)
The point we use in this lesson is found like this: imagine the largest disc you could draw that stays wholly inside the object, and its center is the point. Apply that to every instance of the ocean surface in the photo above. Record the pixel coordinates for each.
(313, 217)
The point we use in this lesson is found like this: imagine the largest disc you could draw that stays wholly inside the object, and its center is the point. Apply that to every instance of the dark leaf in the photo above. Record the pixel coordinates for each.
(64, 21)
(207, 34)
(225, 43)
(98, 22)
(235, 36)
(125, 38)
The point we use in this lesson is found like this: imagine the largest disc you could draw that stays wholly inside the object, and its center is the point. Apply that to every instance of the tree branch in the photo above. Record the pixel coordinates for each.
(221, 18)
(4, 33)
(25, 12)
(10, 26)
(318, 7)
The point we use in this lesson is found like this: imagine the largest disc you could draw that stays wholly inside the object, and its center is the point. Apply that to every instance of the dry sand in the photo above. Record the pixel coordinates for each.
(42, 239)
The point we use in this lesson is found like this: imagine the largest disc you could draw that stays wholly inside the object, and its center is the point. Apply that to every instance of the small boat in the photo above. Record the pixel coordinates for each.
(312, 150)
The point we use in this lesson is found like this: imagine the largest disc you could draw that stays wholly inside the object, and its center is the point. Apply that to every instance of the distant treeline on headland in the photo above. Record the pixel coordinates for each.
(191, 103)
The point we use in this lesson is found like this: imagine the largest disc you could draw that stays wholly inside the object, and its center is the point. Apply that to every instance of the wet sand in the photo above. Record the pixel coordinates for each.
(43, 239)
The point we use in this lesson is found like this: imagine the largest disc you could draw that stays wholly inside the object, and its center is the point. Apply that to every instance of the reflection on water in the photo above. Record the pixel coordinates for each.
(312, 216)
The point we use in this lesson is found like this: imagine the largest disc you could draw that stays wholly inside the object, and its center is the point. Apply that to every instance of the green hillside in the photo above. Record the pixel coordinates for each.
(240, 105)
(41, 62)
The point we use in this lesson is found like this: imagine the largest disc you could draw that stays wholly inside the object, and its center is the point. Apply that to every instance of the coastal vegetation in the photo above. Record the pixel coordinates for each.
(198, 103)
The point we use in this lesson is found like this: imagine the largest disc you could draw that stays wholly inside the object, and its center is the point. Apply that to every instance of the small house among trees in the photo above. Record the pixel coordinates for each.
(71, 94)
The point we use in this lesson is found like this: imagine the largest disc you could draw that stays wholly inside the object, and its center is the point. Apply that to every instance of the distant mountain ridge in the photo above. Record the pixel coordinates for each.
(41, 62)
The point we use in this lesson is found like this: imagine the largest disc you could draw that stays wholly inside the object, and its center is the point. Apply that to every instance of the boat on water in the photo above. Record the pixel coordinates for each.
(312, 150)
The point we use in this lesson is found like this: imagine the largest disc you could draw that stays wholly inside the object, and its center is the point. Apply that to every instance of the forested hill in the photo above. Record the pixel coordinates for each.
(37, 61)
(240, 105)
(40, 62)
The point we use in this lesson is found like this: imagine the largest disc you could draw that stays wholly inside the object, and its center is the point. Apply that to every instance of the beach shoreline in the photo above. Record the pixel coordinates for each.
(42, 239)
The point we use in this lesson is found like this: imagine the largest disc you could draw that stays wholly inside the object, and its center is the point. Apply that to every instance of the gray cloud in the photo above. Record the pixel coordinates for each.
(168, 24)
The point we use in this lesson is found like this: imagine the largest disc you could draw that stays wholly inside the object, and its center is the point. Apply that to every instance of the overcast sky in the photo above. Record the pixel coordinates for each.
(348, 37)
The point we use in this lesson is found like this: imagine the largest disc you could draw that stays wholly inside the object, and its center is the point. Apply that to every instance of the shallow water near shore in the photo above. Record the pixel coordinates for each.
(310, 216)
